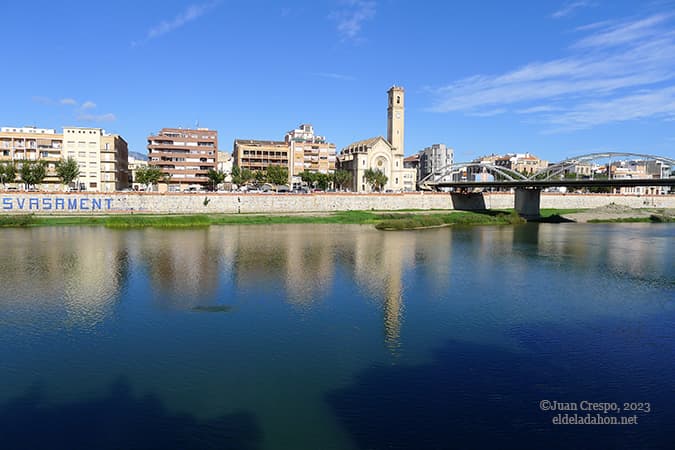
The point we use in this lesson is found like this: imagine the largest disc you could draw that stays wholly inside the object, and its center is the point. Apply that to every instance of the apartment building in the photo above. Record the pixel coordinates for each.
(651, 169)
(434, 158)
(103, 158)
(18, 144)
(135, 164)
(185, 156)
(521, 162)
(309, 152)
(300, 151)
(259, 155)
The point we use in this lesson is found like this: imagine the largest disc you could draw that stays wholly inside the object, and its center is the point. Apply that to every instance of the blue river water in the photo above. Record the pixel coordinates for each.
(338, 337)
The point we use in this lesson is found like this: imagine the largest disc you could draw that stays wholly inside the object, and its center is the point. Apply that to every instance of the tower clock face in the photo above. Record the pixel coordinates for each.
(398, 115)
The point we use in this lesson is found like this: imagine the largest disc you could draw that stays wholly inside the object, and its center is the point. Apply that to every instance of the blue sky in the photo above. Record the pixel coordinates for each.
(555, 78)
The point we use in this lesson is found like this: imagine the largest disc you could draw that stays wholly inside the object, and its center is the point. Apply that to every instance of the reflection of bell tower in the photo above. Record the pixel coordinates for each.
(395, 118)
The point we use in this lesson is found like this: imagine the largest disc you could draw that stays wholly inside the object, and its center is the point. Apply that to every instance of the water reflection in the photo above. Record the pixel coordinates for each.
(73, 273)
(269, 319)
(78, 273)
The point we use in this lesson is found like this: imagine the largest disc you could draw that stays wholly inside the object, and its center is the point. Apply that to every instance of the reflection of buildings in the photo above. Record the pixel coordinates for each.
(379, 262)
(297, 256)
(77, 276)
(183, 266)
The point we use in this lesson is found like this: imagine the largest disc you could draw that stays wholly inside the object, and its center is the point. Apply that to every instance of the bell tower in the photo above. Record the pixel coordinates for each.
(396, 119)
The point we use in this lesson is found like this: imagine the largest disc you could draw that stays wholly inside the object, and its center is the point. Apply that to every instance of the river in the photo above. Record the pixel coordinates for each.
(337, 337)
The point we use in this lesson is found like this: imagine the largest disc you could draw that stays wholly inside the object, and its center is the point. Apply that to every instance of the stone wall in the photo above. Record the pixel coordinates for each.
(232, 203)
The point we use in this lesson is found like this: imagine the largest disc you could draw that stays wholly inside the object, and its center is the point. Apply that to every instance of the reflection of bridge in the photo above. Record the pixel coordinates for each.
(528, 186)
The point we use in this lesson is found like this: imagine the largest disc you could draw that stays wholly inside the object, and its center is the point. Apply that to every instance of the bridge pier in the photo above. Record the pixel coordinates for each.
(527, 201)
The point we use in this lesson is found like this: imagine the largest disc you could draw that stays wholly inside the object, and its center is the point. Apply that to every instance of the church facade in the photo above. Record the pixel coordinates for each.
(378, 153)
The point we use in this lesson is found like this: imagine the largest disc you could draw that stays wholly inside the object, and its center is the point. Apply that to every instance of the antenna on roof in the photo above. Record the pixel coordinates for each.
(197, 123)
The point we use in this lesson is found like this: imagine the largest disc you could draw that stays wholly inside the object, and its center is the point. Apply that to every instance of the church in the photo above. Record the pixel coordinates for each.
(378, 153)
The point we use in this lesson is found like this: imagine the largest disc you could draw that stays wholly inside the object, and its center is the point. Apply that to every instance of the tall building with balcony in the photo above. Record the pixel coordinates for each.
(309, 152)
(19, 144)
(259, 155)
(103, 158)
(435, 158)
(185, 156)
(300, 151)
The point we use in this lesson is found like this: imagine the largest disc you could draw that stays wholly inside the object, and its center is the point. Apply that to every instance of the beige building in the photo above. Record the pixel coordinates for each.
(18, 144)
(300, 151)
(378, 153)
(134, 165)
(185, 156)
(259, 155)
(525, 163)
(103, 158)
(309, 152)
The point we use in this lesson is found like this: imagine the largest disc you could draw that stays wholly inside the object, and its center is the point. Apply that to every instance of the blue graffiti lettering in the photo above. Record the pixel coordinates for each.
(60, 204)
(33, 203)
(95, 203)
(46, 203)
(7, 203)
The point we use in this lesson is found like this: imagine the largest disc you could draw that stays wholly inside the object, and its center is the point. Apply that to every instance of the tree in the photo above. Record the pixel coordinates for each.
(148, 175)
(32, 173)
(247, 176)
(277, 175)
(259, 176)
(216, 177)
(309, 177)
(375, 178)
(236, 175)
(323, 181)
(7, 173)
(342, 179)
(67, 170)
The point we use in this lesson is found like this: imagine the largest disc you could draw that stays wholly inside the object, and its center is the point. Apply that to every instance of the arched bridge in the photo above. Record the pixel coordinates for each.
(476, 174)
(458, 174)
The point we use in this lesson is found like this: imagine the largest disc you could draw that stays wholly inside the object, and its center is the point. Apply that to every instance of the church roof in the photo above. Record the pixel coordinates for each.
(365, 144)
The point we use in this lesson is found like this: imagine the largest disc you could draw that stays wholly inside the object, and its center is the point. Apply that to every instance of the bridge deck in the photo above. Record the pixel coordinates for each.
(621, 182)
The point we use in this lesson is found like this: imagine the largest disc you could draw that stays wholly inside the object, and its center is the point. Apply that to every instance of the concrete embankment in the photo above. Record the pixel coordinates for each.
(233, 203)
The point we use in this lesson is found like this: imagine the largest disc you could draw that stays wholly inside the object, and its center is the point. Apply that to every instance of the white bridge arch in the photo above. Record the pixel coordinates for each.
(452, 172)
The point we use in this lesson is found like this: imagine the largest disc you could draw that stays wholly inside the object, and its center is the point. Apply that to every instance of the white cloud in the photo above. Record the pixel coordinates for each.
(537, 109)
(615, 65)
(652, 103)
(351, 17)
(68, 101)
(109, 117)
(335, 76)
(88, 105)
(191, 13)
(569, 8)
(489, 113)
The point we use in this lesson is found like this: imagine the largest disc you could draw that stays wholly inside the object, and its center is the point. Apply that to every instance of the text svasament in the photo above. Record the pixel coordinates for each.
(595, 413)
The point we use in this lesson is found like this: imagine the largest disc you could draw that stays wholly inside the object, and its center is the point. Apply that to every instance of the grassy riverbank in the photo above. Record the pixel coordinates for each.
(392, 220)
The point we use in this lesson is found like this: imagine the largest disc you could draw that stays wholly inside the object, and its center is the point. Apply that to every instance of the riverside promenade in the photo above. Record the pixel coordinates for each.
(81, 203)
